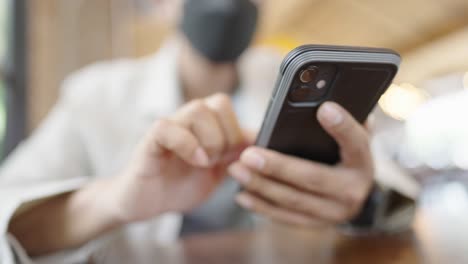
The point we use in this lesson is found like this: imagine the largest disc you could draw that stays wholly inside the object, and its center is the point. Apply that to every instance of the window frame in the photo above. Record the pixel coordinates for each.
(15, 76)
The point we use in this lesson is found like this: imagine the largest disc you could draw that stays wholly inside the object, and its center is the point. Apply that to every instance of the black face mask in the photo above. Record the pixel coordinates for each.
(220, 29)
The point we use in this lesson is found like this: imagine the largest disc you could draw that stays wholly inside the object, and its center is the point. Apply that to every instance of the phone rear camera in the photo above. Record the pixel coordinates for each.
(312, 83)
(308, 75)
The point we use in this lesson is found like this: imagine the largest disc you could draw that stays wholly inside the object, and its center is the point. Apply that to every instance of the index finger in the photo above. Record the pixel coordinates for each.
(221, 105)
(303, 174)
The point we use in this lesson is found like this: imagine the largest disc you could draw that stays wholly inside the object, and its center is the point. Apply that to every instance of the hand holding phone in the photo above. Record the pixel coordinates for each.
(313, 164)
(355, 78)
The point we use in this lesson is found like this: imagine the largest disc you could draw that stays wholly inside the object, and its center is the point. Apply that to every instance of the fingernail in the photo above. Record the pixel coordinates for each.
(244, 201)
(201, 158)
(239, 173)
(330, 114)
(253, 159)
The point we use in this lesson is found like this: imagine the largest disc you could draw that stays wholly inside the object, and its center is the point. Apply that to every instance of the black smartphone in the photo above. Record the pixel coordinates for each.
(354, 77)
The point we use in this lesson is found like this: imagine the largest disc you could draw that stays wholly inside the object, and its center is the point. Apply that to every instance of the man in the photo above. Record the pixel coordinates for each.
(133, 145)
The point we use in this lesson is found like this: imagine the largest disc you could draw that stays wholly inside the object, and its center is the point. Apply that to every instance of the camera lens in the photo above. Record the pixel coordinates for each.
(308, 75)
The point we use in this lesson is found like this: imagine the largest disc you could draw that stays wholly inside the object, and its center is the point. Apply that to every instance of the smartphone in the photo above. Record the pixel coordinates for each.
(354, 77)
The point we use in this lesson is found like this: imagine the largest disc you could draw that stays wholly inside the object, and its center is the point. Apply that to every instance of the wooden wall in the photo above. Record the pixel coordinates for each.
(64, 36)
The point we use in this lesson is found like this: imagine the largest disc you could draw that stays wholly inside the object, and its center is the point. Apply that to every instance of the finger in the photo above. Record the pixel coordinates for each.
(233, 155)
(343, 184)
(262, 207)
(221, 105)
(169, 136)
(302, 174)
(205, 126)
(348, 133)
(289, 198)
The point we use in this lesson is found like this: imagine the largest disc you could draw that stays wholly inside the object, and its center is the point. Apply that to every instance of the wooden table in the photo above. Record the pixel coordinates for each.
(440, 235)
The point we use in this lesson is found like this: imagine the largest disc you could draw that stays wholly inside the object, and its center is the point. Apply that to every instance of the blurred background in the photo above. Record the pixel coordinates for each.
(41, 42)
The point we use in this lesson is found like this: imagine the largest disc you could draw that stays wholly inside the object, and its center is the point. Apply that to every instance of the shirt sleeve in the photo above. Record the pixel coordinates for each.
(53, 160)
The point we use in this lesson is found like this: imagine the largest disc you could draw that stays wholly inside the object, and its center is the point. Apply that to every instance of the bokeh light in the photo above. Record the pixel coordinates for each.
(436, 133)
(400, 101)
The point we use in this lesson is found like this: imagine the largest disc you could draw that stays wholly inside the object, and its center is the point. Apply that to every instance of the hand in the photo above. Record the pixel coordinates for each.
(303, 192)
(181, 160)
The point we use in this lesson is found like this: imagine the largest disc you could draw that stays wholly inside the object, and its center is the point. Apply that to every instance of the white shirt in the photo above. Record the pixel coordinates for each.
(102, 113)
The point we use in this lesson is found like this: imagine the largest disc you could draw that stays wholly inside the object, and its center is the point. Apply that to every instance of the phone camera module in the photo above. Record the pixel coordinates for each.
(308, 75)
(312, 83)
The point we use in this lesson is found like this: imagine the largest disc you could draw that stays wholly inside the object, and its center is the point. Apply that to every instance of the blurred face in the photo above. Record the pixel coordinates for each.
(215, 34)
(202, 77)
